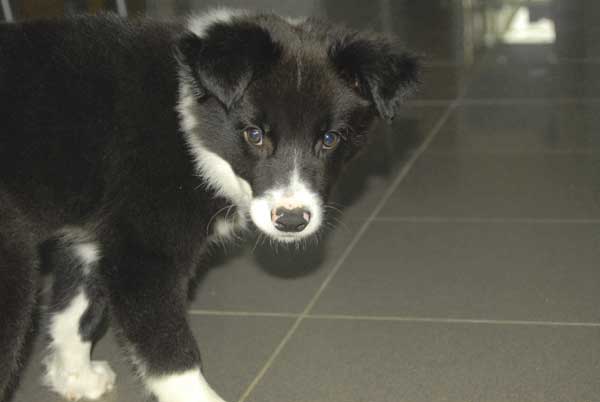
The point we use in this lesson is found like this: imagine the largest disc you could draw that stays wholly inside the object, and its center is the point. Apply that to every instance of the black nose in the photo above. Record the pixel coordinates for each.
(290, 220)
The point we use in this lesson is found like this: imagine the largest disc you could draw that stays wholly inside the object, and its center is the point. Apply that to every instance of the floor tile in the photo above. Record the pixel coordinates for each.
(270, 278)
(564, 50)
(441, 82)
(503, 271)
(502, 186)
(368, 176)
(358, 361)
(543, 127)
(233, 349)
(574, 43)
(571, 80)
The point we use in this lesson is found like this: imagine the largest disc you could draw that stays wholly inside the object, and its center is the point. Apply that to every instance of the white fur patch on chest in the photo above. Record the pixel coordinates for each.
(216, 171)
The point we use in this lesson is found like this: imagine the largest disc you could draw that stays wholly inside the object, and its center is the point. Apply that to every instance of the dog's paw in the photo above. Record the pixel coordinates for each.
(187, 386)
(215, 398)
(90, 382)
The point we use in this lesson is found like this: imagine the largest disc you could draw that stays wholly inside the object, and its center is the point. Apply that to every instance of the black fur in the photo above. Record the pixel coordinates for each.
(379, 71)
(249, 51)
(90, 139)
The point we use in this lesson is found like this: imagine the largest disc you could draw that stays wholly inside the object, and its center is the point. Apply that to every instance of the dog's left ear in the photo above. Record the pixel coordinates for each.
(377, 69)
(227, 57)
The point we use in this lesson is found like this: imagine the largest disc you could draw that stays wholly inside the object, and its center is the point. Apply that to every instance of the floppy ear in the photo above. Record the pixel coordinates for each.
(227, 57)
(377, 70)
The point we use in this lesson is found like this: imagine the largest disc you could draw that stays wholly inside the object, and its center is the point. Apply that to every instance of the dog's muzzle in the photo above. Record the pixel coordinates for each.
(287, 215)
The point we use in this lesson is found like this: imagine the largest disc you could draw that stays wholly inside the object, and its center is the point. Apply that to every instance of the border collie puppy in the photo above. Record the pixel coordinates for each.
(123, 142)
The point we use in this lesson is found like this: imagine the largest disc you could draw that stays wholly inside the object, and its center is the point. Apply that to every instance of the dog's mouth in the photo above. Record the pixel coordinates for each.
(287, 217)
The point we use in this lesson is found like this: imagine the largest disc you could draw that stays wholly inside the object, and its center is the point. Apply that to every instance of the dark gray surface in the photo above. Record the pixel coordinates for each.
(365, 180)
(476, 270)
(269, 279)
(500, 186)
(530, 127)
(507, 80)
(441, 82)
(358, 361)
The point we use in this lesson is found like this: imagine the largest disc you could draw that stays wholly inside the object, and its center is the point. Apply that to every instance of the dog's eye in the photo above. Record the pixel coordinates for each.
(253, 136)
(331, 140)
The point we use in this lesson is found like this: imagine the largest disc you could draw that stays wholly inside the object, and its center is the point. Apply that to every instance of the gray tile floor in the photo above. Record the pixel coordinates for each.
(465, 266)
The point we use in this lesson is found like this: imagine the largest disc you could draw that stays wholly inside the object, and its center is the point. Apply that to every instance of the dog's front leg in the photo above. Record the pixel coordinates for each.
(149, 299)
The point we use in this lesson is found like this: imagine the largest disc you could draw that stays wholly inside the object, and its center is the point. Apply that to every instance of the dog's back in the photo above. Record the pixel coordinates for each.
(66, 88)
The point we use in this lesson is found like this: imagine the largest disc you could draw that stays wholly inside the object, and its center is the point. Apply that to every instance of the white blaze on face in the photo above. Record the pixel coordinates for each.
(297, 194)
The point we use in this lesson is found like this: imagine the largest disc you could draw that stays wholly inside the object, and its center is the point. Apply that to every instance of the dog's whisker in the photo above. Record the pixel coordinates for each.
(264, 239)
(336, 222)
(210, 221)
(228, 211)
(256, 243)
(333, 208)
(329, 225)
(333, 204)
(342, 224)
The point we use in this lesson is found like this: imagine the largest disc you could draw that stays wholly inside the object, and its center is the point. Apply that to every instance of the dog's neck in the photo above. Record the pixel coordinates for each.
(215, 172)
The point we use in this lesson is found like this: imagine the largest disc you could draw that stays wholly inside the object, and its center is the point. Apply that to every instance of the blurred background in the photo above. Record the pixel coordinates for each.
(466, 263)
(457, 30)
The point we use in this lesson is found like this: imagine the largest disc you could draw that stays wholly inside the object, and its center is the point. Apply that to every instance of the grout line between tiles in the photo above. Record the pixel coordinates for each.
(227, 313)
(435, 320)
(350, 317)
(452, 320)
(401, 175)
(430, 102)
(577, 60)
(442, 219)
(561, 152)
(526, 101)
(556, 62)
(501, 101)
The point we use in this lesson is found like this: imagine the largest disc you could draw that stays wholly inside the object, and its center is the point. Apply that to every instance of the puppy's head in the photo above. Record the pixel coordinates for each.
(272, 110)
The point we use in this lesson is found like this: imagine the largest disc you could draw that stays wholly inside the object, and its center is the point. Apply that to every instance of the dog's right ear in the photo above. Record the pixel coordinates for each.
(227, 57)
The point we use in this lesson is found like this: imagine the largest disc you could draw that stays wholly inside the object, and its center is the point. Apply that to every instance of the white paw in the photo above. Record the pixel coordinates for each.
(90, 382)
(187, 386)
(212, 397)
